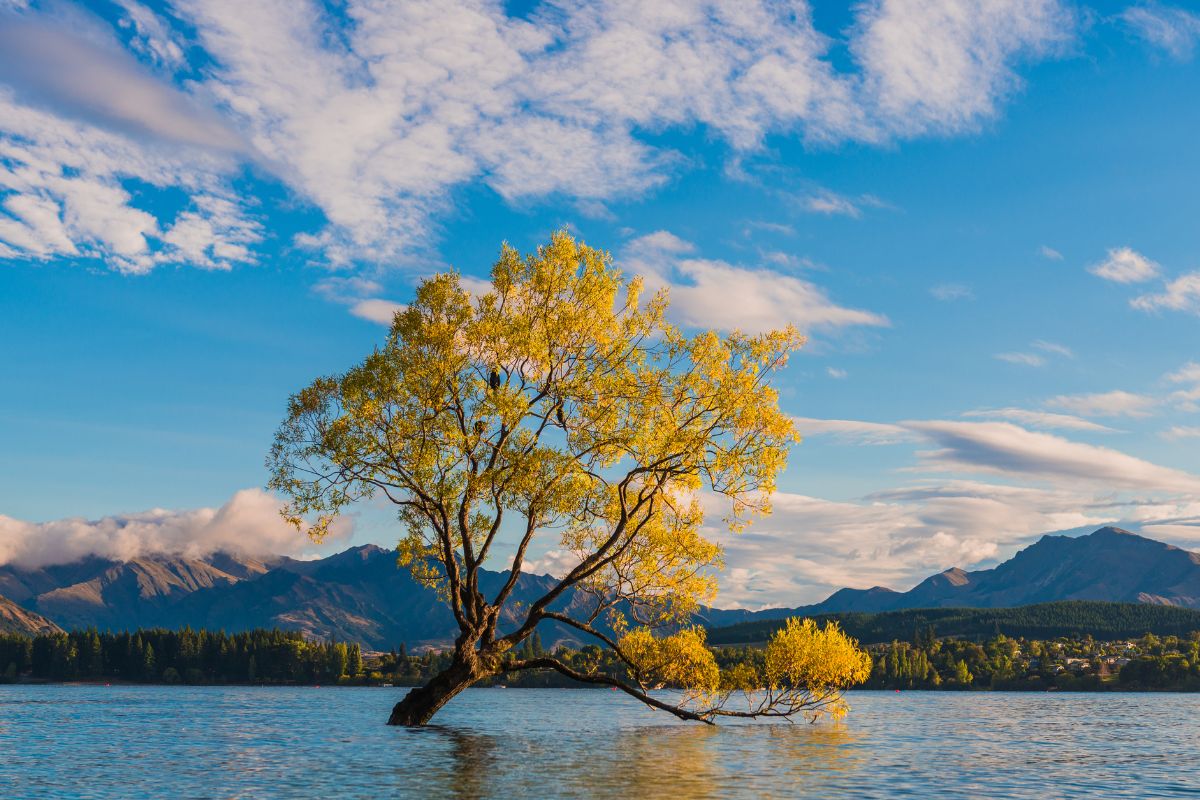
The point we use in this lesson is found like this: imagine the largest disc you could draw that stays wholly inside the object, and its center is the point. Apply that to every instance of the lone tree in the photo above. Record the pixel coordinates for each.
(561, 403)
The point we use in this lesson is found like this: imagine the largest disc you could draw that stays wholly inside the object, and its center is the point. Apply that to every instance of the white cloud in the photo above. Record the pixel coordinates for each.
(837, 373)
(949, 292)
(1039, 419)
(553, 562)
(715, 294)
(1180, 294)
(810, 547)
(831, 203)
(1188, 397)
(376, 309)
(68, 197)
(1169, 28)
(1006, 449)
(853, 431)
(213, 235)
(1034, 359)
(1050, 253)
(248, 524)
(943, 66)
(1053, 348)
(377, 121)
(1182, 432)
(1105, 404)
(1125, 265)
(661, 241)
(1188, 373)
(360, 295)
(152, 35)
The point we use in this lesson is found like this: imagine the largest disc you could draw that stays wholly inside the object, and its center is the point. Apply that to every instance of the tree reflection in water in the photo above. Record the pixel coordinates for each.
(645, 763)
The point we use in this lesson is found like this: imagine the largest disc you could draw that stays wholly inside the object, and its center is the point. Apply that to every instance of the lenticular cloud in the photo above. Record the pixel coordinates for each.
(249, 524)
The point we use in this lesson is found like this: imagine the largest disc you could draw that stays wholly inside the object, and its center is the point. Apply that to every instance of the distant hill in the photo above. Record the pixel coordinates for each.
(14, 619)
(1111, 564)
(1103, 621)
(115, 594)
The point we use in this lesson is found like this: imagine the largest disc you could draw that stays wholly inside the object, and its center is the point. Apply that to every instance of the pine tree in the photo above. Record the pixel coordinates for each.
(148, 662)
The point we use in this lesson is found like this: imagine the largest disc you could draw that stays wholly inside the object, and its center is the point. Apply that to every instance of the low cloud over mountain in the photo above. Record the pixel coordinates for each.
(249, 524)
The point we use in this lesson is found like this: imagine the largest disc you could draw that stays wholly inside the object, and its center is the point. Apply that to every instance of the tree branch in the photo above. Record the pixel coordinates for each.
(546, 662)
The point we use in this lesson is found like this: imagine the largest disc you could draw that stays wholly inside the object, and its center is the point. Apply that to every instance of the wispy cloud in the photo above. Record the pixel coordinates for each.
(53, 65)
(1039, 419)
(1025, 359)
(1106, 404)
(836, 372)
(1186, 398)
(1171, 29)
(850, 431)
(1007, 449)
(1180, 294)
(832, 203)
(949, 292)
(1050, 253)
(1053, 348)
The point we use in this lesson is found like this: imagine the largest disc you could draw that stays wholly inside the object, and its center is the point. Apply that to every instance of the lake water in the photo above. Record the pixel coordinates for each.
(227, 742)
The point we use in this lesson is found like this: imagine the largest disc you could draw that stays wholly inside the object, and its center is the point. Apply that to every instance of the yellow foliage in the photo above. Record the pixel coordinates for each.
(681, 660)
(802, 655)
(561, 402)
(803, 669)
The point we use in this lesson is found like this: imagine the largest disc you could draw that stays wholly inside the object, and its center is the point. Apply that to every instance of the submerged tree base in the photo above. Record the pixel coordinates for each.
(421, 703)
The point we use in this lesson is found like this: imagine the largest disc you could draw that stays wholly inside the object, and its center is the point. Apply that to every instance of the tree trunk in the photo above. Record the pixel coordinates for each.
(421, 703)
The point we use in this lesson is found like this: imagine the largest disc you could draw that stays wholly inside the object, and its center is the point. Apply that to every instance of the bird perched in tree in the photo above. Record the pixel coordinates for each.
(479, 427)
(562, 420)
(494, 380)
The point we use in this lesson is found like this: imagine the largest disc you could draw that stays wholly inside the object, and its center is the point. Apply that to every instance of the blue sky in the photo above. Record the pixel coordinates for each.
(983, 213)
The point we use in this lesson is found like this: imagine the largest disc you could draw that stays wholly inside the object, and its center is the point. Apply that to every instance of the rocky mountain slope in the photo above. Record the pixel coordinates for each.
(14, 619)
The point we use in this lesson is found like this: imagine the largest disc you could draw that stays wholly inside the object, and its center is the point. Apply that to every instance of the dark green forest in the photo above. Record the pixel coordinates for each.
(1122, 647)
(187, 656)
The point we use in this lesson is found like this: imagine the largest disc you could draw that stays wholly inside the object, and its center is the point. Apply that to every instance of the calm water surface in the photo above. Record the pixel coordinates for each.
(223, 742)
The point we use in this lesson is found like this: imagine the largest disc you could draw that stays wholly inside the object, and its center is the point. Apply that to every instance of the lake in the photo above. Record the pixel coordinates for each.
(226, 742)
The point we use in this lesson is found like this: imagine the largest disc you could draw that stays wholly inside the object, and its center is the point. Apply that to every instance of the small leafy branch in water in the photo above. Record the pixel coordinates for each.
(802, 670)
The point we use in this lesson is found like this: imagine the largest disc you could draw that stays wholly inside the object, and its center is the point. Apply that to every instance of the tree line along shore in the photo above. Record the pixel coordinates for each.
(274, 657)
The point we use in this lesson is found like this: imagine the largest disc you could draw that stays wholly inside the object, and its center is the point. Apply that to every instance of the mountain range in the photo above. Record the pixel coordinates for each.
(1110, 564)
(360, 595)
